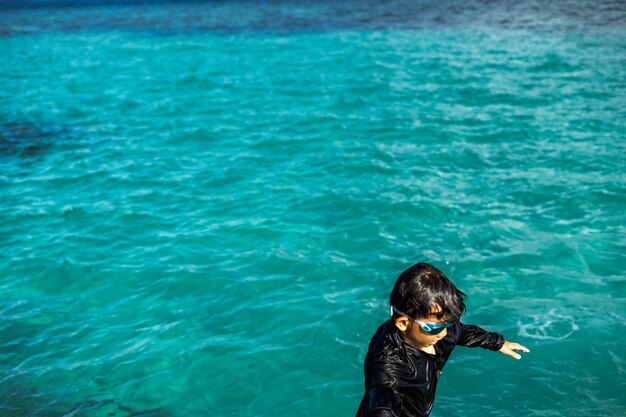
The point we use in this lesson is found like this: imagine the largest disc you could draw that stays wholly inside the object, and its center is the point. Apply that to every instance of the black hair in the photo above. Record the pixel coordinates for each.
(421, 287)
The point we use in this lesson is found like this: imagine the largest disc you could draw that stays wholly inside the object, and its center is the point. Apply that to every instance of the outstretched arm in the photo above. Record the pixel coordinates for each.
(509, 348)
(473, 336)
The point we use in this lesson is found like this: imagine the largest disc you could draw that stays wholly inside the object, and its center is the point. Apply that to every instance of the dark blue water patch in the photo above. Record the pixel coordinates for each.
(38, 4)
(28, 141)
(182, 17)
(25, 140)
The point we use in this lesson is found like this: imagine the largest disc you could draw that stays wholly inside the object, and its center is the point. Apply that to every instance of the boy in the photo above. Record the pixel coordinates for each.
(408, 352)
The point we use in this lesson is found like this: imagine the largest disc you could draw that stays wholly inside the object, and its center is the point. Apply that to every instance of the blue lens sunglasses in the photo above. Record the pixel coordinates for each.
(430, 327)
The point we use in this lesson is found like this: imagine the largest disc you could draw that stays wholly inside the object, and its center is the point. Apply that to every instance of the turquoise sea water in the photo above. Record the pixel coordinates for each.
(204, 206)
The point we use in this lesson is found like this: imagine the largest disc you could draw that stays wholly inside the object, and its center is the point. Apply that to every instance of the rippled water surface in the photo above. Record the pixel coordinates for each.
(204, 205)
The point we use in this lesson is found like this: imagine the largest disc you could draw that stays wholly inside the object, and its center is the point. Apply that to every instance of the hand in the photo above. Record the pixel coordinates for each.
(509, 347)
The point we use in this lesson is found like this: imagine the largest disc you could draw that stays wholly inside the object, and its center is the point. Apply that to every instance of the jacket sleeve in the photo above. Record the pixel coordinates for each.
(474, 336)
(382, 397)
(380, 401)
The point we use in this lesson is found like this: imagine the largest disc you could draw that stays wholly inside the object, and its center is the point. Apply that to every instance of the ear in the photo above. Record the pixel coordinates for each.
(402, 323)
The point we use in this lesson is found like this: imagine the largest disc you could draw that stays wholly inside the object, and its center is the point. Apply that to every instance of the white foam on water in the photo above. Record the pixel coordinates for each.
(547, 326)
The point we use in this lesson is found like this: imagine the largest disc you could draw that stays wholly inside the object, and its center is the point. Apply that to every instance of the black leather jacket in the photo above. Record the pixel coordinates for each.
(400, 380)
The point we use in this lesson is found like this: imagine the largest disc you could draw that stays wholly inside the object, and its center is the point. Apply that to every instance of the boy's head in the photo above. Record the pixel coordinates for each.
(423, 289)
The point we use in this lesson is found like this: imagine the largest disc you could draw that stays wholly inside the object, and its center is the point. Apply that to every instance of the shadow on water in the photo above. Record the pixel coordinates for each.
(21, 396)
(24, 400)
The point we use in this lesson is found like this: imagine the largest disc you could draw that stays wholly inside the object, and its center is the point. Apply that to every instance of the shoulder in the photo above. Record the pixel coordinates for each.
(448, 343)
(390, 361)
(386, 343)
(455, 331)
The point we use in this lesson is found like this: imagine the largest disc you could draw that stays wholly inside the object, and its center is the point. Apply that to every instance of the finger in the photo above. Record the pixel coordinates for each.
(517, 346)
(512, 354)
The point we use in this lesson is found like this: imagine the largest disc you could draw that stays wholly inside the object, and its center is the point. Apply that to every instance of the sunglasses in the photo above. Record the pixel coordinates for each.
(427, 327)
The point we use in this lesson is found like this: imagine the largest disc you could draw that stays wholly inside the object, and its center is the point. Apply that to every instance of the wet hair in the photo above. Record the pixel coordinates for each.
(421, 287)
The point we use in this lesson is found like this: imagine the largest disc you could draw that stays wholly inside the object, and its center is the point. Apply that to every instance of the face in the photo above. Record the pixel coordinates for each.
(413, 334)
